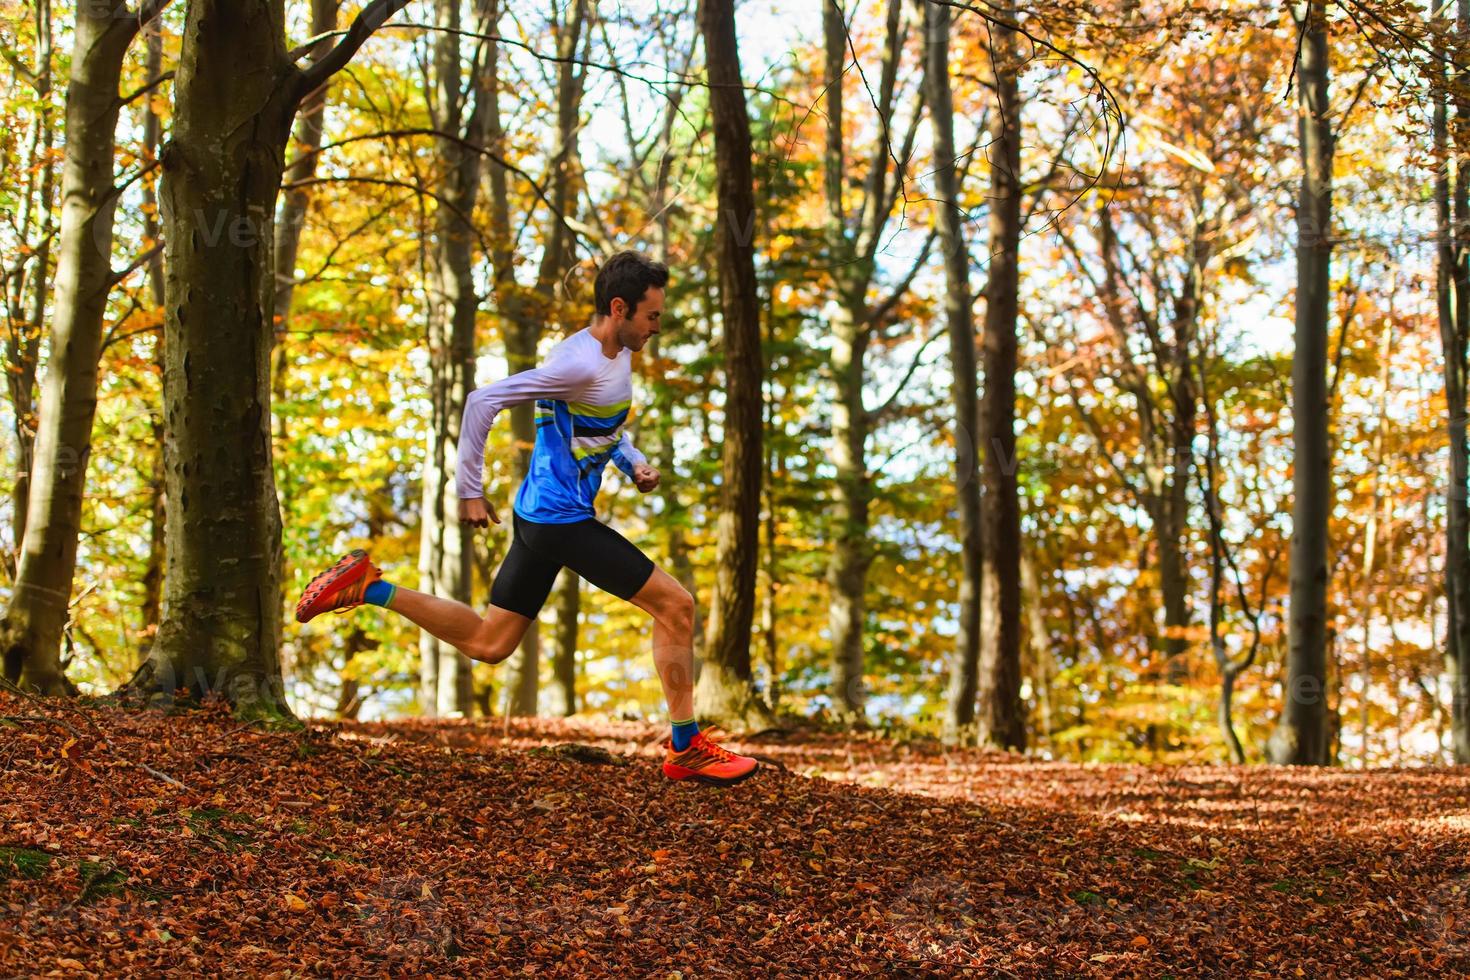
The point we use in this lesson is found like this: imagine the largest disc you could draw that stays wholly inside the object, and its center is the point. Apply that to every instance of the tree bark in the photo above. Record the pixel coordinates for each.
(23, 345)
(1001, 720)
(1040, 648)
(851, 322)
(1452, 213)
(152, 607)
(675, 512)
(1166, 425)
(564, 664)
(1230, 668)
(1301, 736)
(290, 219)
(847, 571)
(297, 199)
(527, 311)
(1370, 538)
(30, 634)
(350, 698)
(724, 691)
(964, 675)
(446, 546)
(1172, 533)
(222, 172)
(235, 95)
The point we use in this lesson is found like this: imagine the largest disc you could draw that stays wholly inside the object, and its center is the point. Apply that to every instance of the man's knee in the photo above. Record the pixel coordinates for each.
(677, 608)
(492, 648)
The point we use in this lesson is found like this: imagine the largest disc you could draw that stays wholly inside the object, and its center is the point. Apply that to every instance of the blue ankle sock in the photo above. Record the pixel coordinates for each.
(683, 734)
(379, 593)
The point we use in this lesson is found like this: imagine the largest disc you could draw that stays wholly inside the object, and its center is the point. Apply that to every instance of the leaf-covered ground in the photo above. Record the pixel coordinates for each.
(132, 843)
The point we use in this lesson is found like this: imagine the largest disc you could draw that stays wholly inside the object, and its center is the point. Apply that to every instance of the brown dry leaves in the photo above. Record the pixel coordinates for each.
(445, 848)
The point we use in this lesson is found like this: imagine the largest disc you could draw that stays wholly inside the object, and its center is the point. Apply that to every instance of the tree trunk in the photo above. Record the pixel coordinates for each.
(446, 546)
(23, 347)
(221, 174)
(290, 219)
(350, 698)
(1229, 669)
(564, 664)
(770, 586)
(527, 313)
(235, 95)
(1370, 538)
(1001, 719)
(1166, 430)
(1173, 535)
(964, 676)
(675, 512)
(297, 199)
(852, 324)
(1040, 648)
(152, 607)
(724, 692)
(1453, 289)
(1301, 736)
(30, 634)
(523, 669)
(847, 570)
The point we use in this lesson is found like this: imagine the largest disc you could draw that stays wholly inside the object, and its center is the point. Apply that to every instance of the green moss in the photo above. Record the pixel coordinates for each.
(210, 822)
(23, 862)
(100, 879)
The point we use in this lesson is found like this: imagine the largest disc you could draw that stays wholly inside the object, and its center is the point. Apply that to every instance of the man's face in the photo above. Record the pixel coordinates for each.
(633, 329)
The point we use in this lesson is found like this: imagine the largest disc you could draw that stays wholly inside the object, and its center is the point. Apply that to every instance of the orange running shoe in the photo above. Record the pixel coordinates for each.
(339, 587)
(708, 762)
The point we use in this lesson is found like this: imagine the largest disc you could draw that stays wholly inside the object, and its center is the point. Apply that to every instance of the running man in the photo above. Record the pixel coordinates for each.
(582, 393)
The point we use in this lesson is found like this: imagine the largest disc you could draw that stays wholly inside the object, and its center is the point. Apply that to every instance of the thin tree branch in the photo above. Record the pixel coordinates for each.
(372, 17)
(875, 416)
(150, 86)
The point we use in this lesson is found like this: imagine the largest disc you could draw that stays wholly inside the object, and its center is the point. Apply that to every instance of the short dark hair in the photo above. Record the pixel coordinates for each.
(627, 276)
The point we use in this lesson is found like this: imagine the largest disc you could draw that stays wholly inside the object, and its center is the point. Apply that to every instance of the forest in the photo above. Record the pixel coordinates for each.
(1060, 415)
(1087, 381)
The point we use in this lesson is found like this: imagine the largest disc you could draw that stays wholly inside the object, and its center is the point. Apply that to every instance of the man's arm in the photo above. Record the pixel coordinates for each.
(625, 456)
(634, 464)
(561, 379)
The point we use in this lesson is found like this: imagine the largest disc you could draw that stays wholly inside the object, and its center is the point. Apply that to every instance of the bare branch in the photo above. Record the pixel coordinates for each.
(150, 86)
(875, 416)
(372, 17)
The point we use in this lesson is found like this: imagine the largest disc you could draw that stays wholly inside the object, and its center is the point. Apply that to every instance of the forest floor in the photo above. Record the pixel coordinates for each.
(136, 843)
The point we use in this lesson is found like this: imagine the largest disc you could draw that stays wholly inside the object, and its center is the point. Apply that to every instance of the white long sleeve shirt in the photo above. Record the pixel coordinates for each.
(582, 401)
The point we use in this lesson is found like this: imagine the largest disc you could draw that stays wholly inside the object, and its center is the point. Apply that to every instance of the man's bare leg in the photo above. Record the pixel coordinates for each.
(672, 608)
(491, 638)
(700, 758)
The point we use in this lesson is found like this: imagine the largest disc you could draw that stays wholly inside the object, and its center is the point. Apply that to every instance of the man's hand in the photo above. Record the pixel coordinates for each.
(477, 512)
(645, 477)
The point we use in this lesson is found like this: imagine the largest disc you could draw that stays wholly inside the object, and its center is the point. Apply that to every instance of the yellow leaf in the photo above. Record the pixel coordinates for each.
(295, 903)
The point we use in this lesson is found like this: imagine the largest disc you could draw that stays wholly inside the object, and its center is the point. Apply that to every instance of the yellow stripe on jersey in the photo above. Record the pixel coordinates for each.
(598, 411)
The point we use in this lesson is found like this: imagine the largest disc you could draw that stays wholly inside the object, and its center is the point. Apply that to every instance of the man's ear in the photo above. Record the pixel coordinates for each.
(613, 308)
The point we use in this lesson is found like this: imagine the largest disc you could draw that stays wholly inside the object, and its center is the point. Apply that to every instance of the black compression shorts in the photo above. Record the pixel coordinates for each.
(590, 548)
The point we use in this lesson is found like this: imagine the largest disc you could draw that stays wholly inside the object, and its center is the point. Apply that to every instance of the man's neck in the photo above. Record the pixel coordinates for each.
(602, 331)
